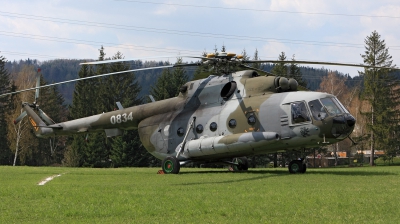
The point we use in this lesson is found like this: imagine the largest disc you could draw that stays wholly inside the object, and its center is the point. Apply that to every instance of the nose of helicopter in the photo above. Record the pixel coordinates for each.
(343, 125)
(350, 120)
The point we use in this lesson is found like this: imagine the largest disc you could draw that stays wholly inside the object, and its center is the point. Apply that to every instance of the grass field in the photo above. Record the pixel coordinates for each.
(139, 195)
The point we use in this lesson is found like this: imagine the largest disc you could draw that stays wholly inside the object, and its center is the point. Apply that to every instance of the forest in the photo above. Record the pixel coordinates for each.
(372, 97)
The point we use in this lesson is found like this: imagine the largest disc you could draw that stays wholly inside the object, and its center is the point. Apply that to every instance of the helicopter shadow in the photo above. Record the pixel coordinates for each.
(261, 174)
(352, 173)
(265, 174)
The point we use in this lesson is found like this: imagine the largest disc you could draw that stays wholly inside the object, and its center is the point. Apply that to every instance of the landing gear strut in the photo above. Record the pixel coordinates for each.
(297, 166)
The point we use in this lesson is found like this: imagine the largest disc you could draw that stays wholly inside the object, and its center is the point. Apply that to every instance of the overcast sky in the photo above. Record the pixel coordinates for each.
(319, 30)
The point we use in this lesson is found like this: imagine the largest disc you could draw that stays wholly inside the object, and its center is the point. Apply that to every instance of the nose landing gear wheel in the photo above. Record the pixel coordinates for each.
(171, 165)
(297, 166)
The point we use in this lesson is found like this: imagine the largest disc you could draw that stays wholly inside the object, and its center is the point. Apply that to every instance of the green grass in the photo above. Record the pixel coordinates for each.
(381, 162)
(139, 195)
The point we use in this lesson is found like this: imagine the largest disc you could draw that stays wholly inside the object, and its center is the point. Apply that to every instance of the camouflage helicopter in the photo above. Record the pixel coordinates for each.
(238, 111)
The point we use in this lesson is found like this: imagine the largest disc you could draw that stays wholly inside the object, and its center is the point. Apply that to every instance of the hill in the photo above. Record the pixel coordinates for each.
(66, 69)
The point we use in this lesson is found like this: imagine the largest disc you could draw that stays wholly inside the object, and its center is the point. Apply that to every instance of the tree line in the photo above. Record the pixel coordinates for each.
(372, 97)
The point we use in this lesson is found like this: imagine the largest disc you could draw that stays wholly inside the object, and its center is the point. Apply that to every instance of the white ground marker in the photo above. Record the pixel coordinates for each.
(43, 182)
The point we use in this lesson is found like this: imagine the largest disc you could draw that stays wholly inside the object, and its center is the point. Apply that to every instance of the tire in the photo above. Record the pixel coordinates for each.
(171, 165)
(243, 164)
(296, 166)
(304, 168)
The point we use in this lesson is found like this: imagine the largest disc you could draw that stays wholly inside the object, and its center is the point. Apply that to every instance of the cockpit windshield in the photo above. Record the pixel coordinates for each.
(332, 106)
(341, 105)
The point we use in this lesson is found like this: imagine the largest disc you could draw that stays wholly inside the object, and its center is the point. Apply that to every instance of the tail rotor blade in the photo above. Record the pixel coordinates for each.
(37, 84)
(20, 117)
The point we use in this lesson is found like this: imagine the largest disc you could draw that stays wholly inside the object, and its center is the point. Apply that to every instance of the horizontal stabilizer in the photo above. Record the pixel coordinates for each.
(119, 105)
(113, 132)
(152, 98)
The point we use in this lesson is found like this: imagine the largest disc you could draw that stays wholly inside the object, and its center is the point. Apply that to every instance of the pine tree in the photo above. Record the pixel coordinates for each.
(295, 72)
(280, 69)
(87, 150)
(169, 83)
(245, 57)
(256, 58)
(51, 151)
(379, 92)
(125, 89)
(82, 106)
(5, 87)
(179, 78)
(162, 89)
(202, 71)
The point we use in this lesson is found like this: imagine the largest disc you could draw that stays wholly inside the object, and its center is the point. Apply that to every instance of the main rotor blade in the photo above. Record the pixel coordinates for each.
(90, 77)
(186, 65)
(134, 59)
(317, 63)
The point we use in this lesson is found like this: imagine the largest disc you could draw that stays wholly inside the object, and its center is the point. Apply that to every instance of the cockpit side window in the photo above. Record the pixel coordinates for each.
(317, 110)
(332, 108)
(299, 113)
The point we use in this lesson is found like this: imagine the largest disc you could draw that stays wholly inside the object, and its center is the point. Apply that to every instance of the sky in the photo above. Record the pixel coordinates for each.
(317, 30)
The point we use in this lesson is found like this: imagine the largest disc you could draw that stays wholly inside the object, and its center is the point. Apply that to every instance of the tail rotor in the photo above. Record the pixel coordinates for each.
(34, 105)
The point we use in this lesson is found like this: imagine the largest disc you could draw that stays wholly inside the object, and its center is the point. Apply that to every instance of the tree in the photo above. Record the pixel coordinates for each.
(245, 56)
(20, 136)
(280, 69)
(101, 95)
(295, 72)
(379, 92)
(202, 70)
(179, 78)
(161, 90)
(5, 87)
(50, 151)
(256, 58)
(125, 89)
(335, 85)
(169, 83)
(28, 149)
(84, 103)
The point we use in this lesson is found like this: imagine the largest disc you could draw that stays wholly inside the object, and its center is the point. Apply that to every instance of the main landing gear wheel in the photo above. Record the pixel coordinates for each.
(171, 165)
(297, 166)
(243, 164)
(304, 168)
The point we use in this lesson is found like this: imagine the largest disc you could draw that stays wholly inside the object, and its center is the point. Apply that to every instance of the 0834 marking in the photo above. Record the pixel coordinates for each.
(121, 118)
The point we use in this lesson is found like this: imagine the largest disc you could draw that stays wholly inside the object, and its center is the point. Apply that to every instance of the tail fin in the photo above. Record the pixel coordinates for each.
(39, 126)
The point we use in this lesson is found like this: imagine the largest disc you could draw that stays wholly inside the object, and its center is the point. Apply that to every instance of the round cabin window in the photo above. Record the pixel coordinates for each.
(213, 126)
(251, 120)
(199, 129)
(232, 123)
(180, 132)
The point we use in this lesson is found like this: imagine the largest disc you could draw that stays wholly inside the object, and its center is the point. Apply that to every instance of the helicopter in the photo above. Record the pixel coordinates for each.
(236, 112)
